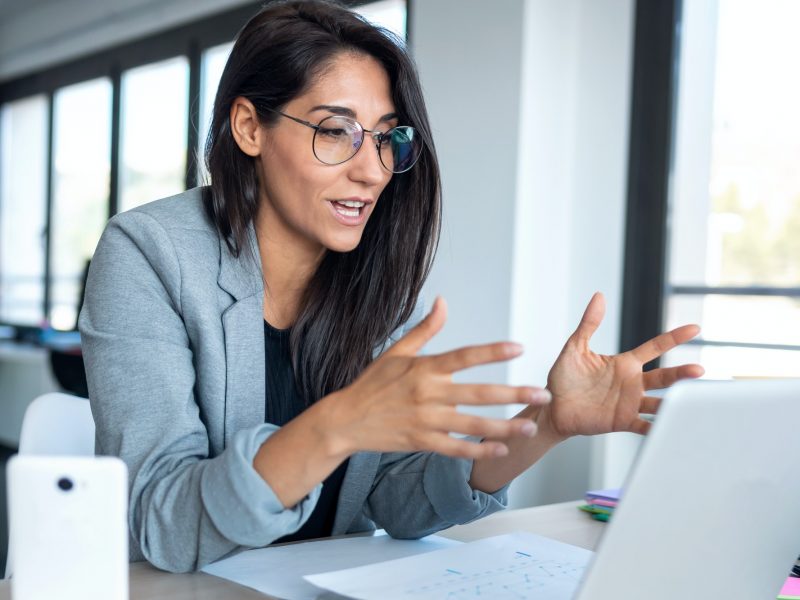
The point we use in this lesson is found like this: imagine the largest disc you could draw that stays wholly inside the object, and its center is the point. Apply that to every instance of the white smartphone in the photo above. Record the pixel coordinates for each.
(68, 532)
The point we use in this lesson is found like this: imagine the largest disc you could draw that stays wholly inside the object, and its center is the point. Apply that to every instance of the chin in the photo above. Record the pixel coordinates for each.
(343, 244)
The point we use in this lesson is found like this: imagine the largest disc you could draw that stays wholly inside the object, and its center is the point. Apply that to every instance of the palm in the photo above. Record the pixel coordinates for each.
(594, 393)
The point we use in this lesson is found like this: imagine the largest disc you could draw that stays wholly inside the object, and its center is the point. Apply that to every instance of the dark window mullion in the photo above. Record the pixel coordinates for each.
(655, 58)
(48, 227)
(116, 119)
(192, 131)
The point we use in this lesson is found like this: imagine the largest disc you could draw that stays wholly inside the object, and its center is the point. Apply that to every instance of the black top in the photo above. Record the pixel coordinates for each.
(284, 403)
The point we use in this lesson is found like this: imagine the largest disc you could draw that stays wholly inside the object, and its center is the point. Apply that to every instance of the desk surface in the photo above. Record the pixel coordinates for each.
(562, 522)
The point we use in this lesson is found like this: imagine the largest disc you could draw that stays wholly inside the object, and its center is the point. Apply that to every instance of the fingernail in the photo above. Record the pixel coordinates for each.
(514, 348)
(528, 429)
(539, 395)
(501, 451)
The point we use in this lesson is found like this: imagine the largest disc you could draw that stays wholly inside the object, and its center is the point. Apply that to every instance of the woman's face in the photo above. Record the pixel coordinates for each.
(302, 199)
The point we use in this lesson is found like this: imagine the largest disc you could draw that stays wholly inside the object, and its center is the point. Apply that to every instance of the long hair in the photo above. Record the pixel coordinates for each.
(354, 300)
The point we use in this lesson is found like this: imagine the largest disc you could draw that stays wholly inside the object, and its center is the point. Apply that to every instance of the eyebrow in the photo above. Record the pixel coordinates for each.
(346, 112)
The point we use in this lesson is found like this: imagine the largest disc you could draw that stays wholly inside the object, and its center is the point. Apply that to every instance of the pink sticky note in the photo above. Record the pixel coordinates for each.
(790, 589)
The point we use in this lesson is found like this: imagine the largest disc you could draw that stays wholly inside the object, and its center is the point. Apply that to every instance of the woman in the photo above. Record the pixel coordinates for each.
(250, 341)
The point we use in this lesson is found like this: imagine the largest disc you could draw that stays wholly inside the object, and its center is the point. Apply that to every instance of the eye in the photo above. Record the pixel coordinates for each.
(384, 138)
(333, 133)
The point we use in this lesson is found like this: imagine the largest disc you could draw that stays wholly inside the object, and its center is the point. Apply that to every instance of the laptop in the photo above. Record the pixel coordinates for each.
(712, 506)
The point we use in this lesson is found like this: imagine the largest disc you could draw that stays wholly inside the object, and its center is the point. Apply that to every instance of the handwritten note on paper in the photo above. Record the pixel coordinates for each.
(516, 566)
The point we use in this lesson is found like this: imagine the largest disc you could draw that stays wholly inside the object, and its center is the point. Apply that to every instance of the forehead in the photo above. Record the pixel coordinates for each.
(355, 81)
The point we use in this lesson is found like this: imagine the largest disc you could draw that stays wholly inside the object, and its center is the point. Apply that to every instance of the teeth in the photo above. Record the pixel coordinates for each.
(346, 213)
(351, 203)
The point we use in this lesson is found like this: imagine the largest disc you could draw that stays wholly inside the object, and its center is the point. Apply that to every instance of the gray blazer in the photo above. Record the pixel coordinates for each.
(173, 339)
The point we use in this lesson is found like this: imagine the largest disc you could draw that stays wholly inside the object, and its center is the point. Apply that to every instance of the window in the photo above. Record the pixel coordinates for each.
(23, 203)
(154, 111)
(80, 176)
(83, 140)
(734, 241)
(391, 14)
(213, 63)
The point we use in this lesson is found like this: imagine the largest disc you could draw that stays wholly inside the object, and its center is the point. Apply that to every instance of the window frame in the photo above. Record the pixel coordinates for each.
(189, 40)
(646, 285)
(653, 102)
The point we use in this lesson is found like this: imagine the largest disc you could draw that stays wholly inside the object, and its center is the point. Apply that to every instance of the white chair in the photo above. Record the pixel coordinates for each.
(58, 424)
(55, 424)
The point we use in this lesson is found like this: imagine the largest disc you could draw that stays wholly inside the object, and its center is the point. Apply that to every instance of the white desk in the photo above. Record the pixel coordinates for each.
(562, 522)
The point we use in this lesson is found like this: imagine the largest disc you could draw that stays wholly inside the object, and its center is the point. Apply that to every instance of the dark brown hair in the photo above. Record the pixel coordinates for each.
(356, 299)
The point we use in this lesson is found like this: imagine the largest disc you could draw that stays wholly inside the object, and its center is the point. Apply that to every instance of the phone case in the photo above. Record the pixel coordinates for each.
(68, 528)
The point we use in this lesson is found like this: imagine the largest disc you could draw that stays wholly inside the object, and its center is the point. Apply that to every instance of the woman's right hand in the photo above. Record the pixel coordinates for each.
(406, 402)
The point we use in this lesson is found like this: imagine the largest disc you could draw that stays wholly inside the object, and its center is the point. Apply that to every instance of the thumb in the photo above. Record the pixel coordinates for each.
(413, 341)
(592, 317)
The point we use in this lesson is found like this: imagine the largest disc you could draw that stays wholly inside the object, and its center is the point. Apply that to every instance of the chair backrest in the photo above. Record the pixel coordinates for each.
(58, 424)
(55, 424)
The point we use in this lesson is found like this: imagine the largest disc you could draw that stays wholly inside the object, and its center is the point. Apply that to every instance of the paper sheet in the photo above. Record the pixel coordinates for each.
(516, 566)
(278, 571)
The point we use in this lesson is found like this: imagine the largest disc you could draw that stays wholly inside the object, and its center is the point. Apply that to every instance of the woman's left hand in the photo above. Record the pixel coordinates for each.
(593, 393)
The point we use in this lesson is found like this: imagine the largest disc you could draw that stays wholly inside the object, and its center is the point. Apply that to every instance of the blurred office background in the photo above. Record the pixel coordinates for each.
(649, 149)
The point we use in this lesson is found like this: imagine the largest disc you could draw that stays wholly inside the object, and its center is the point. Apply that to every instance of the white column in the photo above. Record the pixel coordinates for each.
(529, 102)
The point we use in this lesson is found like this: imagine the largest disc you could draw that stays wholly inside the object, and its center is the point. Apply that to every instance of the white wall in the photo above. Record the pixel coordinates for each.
(470, 59)
(534, 217)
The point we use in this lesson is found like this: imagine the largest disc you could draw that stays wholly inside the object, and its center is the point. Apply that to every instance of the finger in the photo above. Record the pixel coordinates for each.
(591, 319)
(472, 356)
(663, 378)
(640, 426)
(649, 405)
(490, 394)
(660, 344)
(447, 420)
(412, 342)
(442, 443)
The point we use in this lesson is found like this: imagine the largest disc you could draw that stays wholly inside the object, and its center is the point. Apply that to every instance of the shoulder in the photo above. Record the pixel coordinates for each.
(162, 236)
(175, 225)
(181, 212)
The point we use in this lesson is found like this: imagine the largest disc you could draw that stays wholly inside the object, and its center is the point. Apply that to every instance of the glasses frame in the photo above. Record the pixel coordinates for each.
(377, 136)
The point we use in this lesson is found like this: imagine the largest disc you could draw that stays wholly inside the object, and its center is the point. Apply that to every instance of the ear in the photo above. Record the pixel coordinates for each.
(245, 126)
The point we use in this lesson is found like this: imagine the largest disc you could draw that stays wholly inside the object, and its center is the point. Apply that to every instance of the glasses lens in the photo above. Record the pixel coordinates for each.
(337, 139)
(400, 149)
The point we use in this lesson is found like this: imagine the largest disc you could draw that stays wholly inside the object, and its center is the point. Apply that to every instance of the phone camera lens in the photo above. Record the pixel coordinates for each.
(65, 484)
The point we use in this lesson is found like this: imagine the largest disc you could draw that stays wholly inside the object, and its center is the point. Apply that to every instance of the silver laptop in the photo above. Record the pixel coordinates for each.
(712, 506)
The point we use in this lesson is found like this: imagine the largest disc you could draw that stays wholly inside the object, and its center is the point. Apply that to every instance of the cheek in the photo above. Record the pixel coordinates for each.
(294, 188)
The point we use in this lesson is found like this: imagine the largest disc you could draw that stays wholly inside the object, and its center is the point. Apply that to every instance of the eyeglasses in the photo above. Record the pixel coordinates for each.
(337, 139)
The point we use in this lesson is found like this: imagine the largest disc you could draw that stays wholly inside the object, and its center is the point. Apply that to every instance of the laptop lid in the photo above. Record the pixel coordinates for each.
(712, 506)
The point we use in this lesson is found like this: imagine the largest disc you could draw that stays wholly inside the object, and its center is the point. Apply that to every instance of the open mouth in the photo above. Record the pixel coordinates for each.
(348, 208)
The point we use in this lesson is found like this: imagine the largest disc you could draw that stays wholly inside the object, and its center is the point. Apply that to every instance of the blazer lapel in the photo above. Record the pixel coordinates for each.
(356, 486)
(361, 470)
(242, 322)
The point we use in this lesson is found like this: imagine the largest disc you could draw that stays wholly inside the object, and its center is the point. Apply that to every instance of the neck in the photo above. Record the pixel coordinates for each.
(288, 263)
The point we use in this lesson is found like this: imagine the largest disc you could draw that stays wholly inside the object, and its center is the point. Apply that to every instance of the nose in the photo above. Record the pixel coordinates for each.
(365, 166)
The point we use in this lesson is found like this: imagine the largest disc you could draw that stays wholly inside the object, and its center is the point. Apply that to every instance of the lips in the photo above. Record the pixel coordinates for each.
(350, 211)
(349, 208)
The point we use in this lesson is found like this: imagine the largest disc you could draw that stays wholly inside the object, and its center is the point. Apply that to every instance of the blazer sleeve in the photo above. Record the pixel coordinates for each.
(419, 493)
(186, 508)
